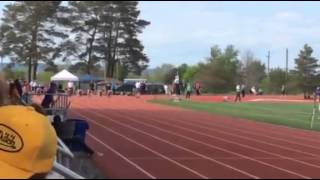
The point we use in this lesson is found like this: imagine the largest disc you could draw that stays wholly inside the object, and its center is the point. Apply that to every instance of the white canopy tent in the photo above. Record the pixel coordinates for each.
(64, 75)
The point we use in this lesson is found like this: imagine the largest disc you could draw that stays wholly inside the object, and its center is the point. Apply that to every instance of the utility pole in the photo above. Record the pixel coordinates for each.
(268, 56)
(287, 64)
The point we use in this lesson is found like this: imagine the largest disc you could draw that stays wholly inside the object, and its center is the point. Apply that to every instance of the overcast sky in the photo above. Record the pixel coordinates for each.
(184, 31)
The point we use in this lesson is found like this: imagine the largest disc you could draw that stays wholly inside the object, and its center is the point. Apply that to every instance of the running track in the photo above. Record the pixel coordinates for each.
(136, 139)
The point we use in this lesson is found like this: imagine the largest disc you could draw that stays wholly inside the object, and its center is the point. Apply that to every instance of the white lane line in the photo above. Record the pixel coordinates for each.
(212, 146)
(180, 147)
(143, 146)
(122, 156)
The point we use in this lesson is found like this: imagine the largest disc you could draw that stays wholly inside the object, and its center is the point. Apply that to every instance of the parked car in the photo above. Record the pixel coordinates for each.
(125, 89)
(150, 88)
(155, 88)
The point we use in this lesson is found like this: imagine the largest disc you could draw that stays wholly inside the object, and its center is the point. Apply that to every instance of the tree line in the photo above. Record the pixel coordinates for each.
(88, 34)
(224, 68)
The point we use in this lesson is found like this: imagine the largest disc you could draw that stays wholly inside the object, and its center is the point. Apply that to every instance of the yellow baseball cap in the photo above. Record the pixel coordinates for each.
(28, 143)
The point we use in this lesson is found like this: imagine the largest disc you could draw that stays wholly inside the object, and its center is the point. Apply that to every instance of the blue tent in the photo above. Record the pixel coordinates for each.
(89, 78)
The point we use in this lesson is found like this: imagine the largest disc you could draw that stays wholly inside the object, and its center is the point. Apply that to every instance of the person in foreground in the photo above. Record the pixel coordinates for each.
(28, 142)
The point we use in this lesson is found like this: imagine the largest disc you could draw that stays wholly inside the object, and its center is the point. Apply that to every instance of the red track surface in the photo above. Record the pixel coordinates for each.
(136, 139)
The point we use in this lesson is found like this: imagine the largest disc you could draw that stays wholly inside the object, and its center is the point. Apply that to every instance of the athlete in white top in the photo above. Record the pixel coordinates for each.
(238, 88)
(138, 89)
(166, 89)
(70, 84)
(70, 87)
(238, 96)
(253, 90)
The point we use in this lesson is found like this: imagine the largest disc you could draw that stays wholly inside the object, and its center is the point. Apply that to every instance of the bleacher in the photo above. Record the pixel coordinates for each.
(74, 158)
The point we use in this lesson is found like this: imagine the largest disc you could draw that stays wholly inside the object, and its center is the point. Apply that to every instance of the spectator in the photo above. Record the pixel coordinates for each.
(14, 97)
(243, 90)
(31, 85)
(143, 88)
(26, 95)
(92, 88)
(34, 86)
(3, 91)
(253, 90)
(18, 87)
(113, 86)
(197, 88)
(165, 87)
(176, 86)
(100, 92)
(238, 95)
(79, 92)
(109, 91)
(39, 90)
(25, 155)
(188, 91)
(317, 92)
(70, 88)
(138, 89)
(48, 100)
(182, 86)
(283, 90)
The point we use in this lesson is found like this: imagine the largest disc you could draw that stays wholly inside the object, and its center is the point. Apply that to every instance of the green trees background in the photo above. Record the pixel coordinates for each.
(89, 35)
(101, 38)
(224, 68)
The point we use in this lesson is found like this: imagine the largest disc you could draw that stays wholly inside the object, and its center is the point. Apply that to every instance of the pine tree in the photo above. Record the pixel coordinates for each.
(85, 20)
(306, 68)
(118, 37)
(29, 30)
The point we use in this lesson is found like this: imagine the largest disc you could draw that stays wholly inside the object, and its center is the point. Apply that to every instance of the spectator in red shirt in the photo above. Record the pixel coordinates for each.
(198, 87)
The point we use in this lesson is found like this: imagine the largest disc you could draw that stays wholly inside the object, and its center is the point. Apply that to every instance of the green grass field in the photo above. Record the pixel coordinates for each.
(292, 115)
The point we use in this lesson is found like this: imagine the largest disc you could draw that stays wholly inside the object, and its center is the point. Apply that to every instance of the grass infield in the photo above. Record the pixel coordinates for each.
(287, 114)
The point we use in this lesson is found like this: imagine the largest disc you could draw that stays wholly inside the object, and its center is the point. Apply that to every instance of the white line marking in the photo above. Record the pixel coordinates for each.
(277, 100)
(236, 128)
(232, 142)
(215, 147)
(247, 138)
(123, 157)
(180, 147)
(143, 146)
